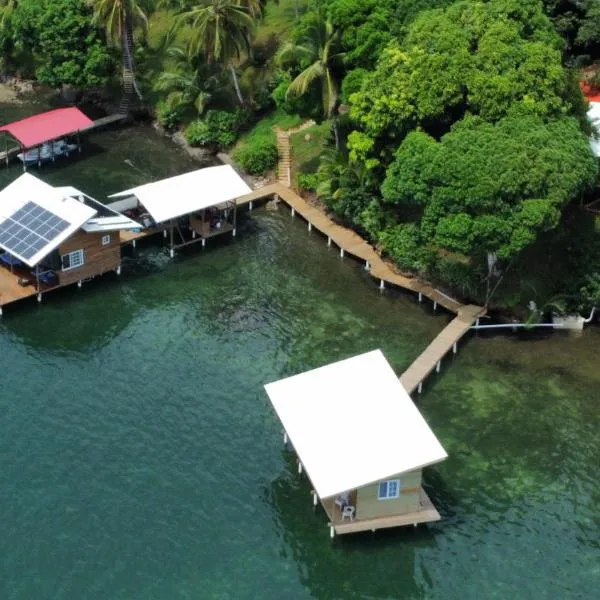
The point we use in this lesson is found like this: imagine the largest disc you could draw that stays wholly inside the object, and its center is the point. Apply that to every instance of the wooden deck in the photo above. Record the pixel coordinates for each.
(426, 514)
(128, 236)
(11, 291)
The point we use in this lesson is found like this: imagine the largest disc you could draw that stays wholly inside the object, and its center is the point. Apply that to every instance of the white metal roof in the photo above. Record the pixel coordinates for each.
(352, 423)
(593, 114)
(184, 194)
(28, 188)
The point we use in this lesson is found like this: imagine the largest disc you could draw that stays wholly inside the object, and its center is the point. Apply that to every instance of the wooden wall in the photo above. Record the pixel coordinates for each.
(97, 258)
(369, 506)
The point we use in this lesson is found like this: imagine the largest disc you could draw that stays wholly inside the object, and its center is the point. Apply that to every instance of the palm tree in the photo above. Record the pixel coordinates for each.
(6, 9)
(187, 83)
(318, 50)
(221, 29)
(120, 17)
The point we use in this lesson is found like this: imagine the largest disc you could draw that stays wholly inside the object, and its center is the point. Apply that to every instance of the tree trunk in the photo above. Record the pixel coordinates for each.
(236, 84)
(336, 133)
(297, 7)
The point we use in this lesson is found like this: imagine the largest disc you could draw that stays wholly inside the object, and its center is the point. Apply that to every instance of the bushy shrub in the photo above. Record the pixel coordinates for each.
(257, 156)
(307, 181)
(219, 127)
(168, 116)
(198, 133)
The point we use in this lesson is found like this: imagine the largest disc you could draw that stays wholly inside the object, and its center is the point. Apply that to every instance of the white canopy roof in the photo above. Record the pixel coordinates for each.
(26, 189)
(184, 194)
(594, 116)
(352, 423)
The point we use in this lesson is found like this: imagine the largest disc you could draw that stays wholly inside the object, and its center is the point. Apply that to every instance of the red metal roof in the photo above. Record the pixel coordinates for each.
(47, 126)
(591, 94)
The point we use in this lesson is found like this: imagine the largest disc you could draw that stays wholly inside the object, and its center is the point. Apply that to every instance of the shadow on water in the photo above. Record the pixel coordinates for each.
(358, 566)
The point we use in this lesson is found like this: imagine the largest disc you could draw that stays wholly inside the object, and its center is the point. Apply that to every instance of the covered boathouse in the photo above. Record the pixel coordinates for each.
(52, 237)
(188, 208)
(32, 132)
(361, 441)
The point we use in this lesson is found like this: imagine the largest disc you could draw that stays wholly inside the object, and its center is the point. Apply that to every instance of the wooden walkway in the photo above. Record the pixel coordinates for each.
(447, 340)
(349, 242)
(104, 121)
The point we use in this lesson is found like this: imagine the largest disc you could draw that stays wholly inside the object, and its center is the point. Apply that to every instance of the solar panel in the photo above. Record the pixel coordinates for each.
(29, 229)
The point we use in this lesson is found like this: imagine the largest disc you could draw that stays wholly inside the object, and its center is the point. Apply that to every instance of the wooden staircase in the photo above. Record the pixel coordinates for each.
(284, 163)
(127, 91)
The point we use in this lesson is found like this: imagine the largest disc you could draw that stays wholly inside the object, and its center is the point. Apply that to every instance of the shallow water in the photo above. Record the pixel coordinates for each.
(141, 459)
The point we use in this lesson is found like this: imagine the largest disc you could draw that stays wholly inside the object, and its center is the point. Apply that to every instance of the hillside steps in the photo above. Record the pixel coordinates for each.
(284, 152)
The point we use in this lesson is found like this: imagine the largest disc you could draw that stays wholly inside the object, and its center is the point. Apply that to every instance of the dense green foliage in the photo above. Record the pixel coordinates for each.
(58, 40)
(258, 156)
(218, 128)
(452, 133)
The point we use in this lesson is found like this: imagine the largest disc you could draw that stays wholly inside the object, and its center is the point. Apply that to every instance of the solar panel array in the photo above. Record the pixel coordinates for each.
(30, 229)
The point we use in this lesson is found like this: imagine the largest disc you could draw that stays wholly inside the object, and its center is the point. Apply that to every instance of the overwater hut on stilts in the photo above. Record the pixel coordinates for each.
(53, 237)
(361, 441)
(187, 208)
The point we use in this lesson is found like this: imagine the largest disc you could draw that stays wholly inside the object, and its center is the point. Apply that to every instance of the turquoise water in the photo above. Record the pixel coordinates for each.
(141, 459)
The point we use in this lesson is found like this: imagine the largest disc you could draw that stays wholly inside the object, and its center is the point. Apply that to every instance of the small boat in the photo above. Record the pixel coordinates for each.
(47, 152)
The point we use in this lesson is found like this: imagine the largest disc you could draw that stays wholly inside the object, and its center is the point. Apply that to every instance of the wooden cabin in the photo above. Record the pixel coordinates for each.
(52, 237)
(361, 441)
(187, 208)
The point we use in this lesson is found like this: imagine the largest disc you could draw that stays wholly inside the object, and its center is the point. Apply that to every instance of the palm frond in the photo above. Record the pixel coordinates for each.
(303, 81)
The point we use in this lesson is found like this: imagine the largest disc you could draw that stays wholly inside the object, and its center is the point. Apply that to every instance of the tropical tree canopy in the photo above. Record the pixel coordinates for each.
(118, 15)
(221, 29)
(317, 55)
(485, 58)
(65, 46)
(489, 188)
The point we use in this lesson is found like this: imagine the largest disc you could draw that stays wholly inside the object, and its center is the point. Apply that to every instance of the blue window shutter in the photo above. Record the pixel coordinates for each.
(383, 487)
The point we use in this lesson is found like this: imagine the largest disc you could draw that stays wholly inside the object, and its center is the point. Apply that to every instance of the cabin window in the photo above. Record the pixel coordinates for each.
(72, 260)
(388, 489)
(105, 240)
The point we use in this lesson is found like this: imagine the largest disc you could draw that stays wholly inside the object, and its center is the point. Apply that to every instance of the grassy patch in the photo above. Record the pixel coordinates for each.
(264, 128)
(306, 152)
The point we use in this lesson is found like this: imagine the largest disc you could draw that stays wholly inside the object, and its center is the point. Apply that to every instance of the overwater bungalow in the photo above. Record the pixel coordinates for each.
(361, 441)
(54, 236)
(188, 208)
(40, 138)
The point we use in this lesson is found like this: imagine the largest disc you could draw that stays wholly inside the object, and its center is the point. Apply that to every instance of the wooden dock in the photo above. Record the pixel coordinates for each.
(104, 121)
(447, 340)
(349, 242)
